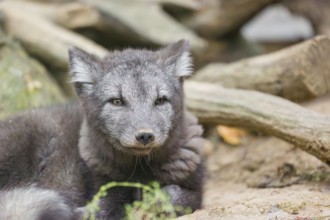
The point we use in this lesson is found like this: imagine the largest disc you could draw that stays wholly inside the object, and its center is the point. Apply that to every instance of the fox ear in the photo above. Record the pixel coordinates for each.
(176, 59)
(83, 69)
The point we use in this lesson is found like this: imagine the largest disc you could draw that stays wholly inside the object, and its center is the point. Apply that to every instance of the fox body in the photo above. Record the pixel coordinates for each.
(40, 165)
(130, 125)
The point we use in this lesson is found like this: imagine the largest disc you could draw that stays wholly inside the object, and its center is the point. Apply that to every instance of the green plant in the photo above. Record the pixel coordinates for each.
(155, 203)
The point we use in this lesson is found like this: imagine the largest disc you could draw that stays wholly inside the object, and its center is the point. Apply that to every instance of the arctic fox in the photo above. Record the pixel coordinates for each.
(42, 175)
(130, 125)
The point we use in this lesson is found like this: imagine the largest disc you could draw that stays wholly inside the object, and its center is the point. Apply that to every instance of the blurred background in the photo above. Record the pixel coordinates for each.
(35, 35)
(272, 46)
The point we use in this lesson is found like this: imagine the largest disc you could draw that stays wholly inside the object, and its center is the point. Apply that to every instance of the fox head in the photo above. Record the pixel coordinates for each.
(134, 97)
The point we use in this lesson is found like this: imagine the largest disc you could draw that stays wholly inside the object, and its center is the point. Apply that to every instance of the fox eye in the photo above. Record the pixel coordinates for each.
(160, 101)
(116, 101)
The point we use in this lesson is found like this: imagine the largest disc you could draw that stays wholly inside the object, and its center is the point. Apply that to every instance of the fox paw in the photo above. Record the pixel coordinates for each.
(180, 165)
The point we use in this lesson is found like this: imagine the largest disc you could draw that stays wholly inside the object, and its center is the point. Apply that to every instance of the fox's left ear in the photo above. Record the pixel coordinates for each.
(175, 58)
(84, 68)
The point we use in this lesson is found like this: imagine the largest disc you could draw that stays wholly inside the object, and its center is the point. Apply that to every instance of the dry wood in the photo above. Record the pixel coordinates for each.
(145, 21)
(276, 116)
(44, 39)
(70, 15)
(317, 11)
(297, 73)
(225, 16)
(187, 4)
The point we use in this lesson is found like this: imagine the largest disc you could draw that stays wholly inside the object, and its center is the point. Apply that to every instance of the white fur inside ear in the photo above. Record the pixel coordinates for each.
(183, 65)
(80, 72)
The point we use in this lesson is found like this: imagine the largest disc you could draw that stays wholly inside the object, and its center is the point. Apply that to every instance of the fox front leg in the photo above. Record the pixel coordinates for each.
(188, 192)
(183, 198)
(189, 156)
(185, 161)
(180, 165)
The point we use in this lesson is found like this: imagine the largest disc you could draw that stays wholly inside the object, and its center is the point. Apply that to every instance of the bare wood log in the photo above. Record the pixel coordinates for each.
(70, 15)
(297, 73)
(48, 1)
(187, 4)
(276, 116)
(145, 21)
(44, 39)
(317, 11)
(225, 16)
(76, 15)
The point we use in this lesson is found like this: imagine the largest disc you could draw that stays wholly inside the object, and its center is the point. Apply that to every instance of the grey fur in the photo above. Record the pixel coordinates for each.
(147, 89)
(31, 203)
(39, 148)
(137, 78)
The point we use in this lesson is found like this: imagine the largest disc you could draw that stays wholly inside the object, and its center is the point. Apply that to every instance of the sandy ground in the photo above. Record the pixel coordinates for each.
(266, 178)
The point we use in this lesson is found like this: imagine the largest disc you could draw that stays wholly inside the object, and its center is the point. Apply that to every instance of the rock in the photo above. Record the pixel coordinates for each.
(25, 83)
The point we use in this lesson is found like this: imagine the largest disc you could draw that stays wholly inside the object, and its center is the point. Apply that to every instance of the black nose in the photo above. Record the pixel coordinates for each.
(145, 137)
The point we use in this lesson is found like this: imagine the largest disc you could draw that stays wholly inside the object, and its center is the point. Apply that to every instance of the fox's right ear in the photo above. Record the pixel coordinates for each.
(176, 59)
(83, 69)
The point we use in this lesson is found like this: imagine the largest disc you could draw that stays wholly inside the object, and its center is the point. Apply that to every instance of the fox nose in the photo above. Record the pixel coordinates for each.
(145, 137)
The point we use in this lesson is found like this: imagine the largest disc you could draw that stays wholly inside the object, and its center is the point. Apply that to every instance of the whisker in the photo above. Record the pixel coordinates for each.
(136, 162)
(142, 166)
(148, 163)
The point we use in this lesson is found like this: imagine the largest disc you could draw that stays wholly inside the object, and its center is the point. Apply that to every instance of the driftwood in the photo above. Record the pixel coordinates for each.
(45, 39)
(276, 116)
(317, 11)
(186, 4)
(144, 21)
(70, 15)
(225, 16)
(213, 104)
(297, 73)
(42, 38)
